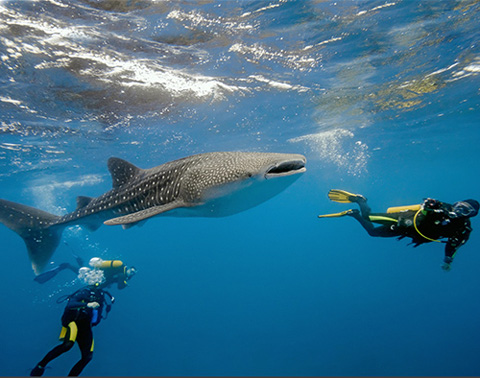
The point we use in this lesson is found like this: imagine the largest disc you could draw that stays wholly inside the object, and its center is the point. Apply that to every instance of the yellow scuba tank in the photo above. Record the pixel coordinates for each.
(98, 263)
(106, 264)
(398, 209)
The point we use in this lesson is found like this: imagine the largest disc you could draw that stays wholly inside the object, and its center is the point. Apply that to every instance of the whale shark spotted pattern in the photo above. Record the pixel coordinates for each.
(213, 184)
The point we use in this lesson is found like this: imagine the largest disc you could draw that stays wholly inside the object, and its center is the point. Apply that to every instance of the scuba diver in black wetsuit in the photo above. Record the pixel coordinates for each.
(83, 311)
(428, 222)
(115, 271)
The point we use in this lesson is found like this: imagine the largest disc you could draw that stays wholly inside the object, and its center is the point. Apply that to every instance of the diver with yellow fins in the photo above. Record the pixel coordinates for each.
(430, 221)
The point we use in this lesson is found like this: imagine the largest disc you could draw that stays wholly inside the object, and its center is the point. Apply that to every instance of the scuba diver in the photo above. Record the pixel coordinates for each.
(114, 271)
(84, 310)
(424, 223)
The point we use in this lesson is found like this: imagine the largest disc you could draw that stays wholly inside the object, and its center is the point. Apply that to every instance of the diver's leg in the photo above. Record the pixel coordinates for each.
(71, 267)
(67, 344)
(362, 203)
(85, 343)
(381, 231)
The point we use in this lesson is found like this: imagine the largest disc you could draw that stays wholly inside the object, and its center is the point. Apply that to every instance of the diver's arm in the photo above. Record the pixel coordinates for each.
(78, 300)
(76, 303)
(121, 283)
(454, 243)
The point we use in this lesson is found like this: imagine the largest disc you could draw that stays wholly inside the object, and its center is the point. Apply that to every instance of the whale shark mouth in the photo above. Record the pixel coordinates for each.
(286, 168)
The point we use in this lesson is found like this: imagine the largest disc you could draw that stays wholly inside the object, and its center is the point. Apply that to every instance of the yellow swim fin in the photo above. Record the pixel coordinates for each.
(336, 215)
(343, 196)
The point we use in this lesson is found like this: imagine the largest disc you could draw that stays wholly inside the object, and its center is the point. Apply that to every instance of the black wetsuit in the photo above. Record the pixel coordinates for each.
(430, 225)
(77, 321)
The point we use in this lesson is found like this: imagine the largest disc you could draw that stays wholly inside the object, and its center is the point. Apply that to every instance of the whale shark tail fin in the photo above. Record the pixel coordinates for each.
(37, 229)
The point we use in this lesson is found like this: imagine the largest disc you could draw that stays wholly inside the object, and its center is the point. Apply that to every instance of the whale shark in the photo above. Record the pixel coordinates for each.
(212, 184)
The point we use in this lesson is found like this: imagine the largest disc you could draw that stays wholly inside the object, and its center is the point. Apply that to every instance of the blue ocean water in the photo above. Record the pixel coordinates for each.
(382, 97)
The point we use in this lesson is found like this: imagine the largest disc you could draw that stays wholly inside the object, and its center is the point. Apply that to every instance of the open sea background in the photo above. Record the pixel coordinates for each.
(382, 97)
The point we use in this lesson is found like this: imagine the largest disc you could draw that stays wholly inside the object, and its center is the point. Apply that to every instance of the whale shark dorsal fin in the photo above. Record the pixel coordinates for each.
(144, 214)
(122, 171)
(83, 201)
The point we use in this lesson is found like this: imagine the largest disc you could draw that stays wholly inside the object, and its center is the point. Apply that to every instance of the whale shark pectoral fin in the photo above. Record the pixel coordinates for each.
(144, 214)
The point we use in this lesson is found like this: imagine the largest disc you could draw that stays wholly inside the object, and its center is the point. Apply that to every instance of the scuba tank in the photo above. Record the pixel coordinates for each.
(397, 209)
